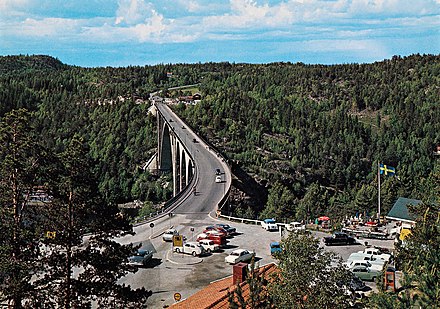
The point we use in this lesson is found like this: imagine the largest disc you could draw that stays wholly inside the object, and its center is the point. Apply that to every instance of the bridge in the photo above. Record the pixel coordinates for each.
(192, 162)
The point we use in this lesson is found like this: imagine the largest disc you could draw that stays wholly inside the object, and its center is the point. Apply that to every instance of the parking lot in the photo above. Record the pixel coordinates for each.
(172, 272)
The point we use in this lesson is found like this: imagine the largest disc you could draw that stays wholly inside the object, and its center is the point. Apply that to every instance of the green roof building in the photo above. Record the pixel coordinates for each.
(400, 211)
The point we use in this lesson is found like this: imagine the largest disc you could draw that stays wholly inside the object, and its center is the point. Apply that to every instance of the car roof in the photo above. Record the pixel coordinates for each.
(360, 267)
(239, 250)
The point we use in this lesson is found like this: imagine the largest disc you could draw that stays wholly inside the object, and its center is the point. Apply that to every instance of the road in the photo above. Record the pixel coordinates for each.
(209, 193)
(170, 272)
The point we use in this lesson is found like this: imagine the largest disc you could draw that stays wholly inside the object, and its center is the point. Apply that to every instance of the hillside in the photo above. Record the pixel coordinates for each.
(307, 136)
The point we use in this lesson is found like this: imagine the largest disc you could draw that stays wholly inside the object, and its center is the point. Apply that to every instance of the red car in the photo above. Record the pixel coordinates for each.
(217, 239)
(217, 229)
(371, 223)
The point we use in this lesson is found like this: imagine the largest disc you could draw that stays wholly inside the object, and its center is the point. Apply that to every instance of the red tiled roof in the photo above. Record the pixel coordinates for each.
(215, 295)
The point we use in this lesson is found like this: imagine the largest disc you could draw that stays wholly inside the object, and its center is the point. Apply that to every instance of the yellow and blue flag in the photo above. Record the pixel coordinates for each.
(387, 170)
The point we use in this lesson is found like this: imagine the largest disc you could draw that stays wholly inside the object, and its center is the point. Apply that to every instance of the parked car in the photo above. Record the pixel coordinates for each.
(193, 248)
(229, 229)
(368, 258)
(274, 247)
(218, 239)
(295, 226)
(354, 263)
(218, 179)
(365, 273)
(209, 245)
(377, 253)
(269, 225)
(339, 238)
(217, 229)
(141, 258)
(168, 235)
(356, 284)
(218, 171)
(239, 255)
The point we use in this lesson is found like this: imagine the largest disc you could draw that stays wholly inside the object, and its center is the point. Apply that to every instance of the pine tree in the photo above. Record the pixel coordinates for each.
(19, 174)
(78, 269)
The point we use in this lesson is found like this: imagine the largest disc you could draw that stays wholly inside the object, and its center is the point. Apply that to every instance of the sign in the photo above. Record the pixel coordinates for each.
(151, 224)
(404, 233)
(177, 296)
(51, 234)
(177, 241)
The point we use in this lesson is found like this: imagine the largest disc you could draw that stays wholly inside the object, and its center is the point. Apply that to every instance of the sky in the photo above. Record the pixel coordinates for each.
(118, 33)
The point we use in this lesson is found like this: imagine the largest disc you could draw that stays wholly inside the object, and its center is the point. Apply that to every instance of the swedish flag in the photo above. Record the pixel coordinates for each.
(387, 170)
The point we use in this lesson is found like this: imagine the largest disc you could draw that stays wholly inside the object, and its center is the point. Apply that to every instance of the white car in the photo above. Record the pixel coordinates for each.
(377, 254)
(168, 235)
(239, 255)
(295, 226)
(193, 248)
(354, 263)
(269, 225)
(209, 245)
(218, 179)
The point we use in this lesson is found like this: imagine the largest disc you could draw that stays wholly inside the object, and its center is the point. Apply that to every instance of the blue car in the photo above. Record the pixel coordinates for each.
(275, 247)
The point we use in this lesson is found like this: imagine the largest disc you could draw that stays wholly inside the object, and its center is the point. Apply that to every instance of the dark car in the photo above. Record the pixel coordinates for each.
(229, 229)
(218, 171)
(141, 258)
(339, 238)
(356, 284)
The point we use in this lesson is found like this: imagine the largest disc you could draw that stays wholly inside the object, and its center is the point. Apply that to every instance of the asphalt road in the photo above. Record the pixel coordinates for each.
(209, 193)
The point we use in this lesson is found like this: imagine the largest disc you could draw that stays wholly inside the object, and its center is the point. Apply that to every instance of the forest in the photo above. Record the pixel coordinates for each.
(308, 138)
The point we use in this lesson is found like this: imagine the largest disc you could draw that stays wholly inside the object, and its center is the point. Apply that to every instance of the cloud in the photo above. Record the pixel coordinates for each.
(132, 12)
(359, 23)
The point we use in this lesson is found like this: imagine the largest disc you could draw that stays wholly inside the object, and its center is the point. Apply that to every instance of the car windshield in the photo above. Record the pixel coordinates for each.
(275, 245)
(235, 253)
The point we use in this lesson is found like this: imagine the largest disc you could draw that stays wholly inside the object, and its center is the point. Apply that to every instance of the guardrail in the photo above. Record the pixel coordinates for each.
(242, 220)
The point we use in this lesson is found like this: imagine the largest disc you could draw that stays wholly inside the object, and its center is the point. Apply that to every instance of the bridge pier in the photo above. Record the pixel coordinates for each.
(172, 154)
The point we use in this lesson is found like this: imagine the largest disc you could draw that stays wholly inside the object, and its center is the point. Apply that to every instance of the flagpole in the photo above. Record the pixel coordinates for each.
(378, 190)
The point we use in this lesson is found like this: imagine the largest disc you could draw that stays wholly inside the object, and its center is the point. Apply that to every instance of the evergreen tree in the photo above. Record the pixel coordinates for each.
(78, 269)
(19, 173)
(309, 277)
(279, 203)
